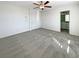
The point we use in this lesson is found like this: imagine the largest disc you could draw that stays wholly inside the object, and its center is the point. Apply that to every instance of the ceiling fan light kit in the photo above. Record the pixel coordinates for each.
(41, 6)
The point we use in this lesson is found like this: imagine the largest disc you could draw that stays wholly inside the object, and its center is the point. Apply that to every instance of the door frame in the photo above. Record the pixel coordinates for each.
(69, 20)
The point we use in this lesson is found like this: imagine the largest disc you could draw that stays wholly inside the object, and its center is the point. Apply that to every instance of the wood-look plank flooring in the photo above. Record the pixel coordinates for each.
(40, 43)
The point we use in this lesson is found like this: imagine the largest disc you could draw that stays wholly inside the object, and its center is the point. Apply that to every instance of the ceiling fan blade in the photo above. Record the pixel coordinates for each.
(41, 2)
(46, 2)
(48, 6)
(35, 4)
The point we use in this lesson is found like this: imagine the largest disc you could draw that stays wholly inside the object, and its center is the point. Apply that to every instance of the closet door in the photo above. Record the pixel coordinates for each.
(34, 19)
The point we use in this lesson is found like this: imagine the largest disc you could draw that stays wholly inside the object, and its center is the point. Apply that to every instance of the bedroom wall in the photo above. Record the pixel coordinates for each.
(51, 18)
(16, 19)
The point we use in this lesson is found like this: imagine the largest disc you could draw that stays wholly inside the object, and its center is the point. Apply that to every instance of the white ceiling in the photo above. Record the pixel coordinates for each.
(30, 3)
(19, 3)
(26, 3)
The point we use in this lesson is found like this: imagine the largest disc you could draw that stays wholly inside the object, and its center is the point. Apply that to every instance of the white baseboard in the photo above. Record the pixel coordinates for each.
(10, 34)
(51, 28)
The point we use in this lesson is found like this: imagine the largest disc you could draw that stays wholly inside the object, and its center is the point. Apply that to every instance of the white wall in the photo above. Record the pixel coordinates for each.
(51, 18)
(15, 19)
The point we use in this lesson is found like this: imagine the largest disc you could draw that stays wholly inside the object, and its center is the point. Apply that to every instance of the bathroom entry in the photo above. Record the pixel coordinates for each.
(65, 21)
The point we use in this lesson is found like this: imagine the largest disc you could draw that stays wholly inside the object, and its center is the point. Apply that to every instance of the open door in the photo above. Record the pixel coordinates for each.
(65, 18)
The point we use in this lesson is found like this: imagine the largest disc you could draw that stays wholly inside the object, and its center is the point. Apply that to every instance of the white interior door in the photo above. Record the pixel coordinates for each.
(33, 19)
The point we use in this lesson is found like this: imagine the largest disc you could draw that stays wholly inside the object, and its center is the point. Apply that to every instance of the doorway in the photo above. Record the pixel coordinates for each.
(65, 17)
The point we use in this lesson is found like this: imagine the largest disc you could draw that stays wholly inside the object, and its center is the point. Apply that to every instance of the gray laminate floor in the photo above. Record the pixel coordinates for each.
(40, 43)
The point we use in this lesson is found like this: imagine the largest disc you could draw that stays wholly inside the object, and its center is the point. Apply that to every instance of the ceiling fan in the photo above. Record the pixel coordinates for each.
(42, 5)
